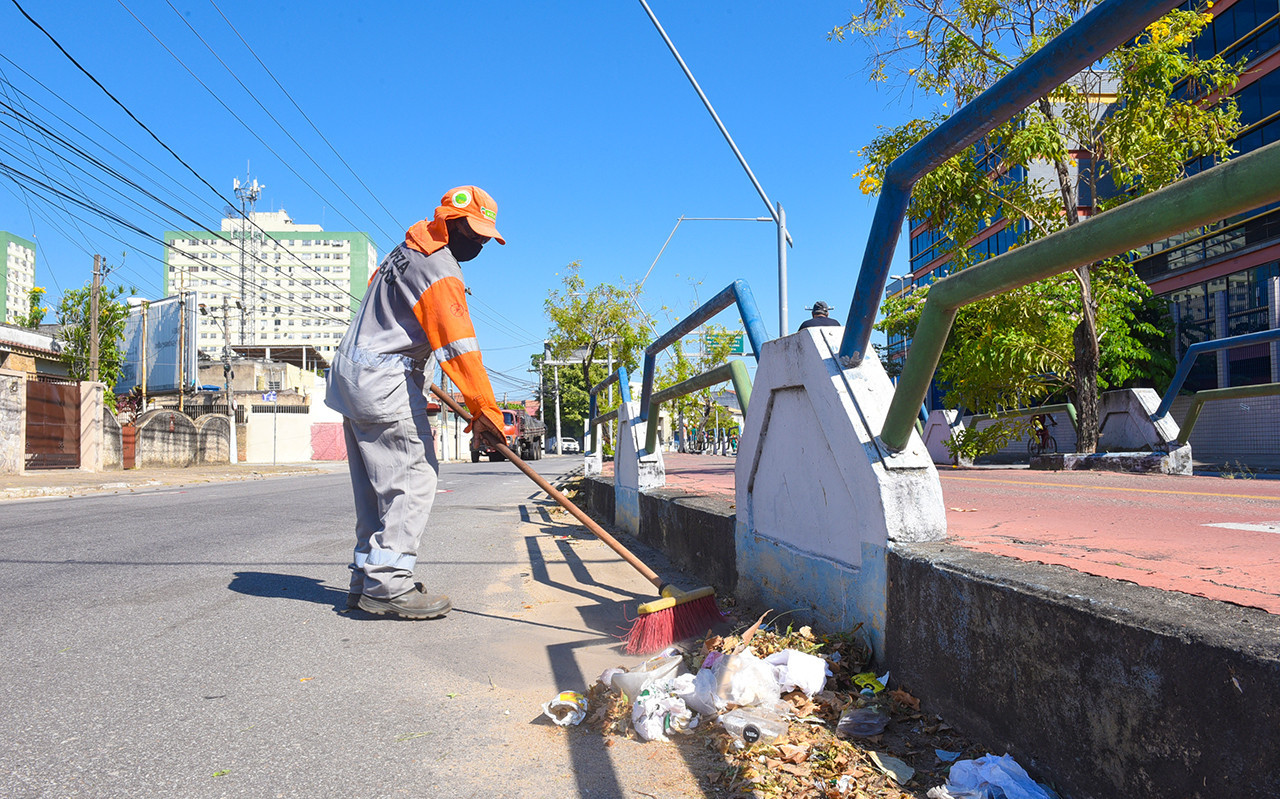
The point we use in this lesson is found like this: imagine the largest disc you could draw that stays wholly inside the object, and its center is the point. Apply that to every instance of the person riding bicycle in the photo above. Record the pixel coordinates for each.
(1038, 423)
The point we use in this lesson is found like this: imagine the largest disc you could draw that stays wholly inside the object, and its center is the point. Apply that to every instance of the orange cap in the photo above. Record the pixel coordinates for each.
(476, 205)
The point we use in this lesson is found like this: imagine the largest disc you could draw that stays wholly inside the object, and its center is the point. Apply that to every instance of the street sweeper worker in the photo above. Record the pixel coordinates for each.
(414, 313)
(821, 317)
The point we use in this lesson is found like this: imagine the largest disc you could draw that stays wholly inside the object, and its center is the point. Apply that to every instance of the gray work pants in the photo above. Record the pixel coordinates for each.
(393, 475)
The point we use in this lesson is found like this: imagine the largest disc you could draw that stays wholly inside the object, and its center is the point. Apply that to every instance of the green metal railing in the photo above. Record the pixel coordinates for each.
(1061, 407)
(1243, 183)
(735, 371)
(1208, 395)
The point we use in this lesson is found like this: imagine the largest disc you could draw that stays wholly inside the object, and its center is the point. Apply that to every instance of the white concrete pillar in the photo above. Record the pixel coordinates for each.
(13, 421)
(938, 430)
(634, 470)
(819, 498)
(91, 428)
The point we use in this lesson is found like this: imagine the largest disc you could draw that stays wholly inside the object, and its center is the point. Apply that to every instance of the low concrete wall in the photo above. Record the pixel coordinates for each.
(328, 442)
(1240, 433)
(112, 443)
(599, 496)
(213, 443)
(285, 439)
(696, 532)
(1106, 688)
(165, 439)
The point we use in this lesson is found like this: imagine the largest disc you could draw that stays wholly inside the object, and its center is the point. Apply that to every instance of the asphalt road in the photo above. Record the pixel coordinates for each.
(193, 642)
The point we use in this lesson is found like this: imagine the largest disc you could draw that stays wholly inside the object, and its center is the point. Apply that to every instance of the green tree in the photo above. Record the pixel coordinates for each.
(1116, 131)
(74, 316)
(35, 308)
(698, 409)
(587, 325)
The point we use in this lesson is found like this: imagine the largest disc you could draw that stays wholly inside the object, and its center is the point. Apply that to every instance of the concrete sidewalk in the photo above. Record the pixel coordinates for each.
(71, 482)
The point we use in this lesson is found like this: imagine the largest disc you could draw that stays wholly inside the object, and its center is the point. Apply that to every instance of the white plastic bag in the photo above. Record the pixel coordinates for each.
(992, 777)
(568, 708)
(744, 680)
(699, 692)
(794, 669)
(632, 682)
(658, 711)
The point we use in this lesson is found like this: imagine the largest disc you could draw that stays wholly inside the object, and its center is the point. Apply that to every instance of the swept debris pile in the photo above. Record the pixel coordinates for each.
(793, 714)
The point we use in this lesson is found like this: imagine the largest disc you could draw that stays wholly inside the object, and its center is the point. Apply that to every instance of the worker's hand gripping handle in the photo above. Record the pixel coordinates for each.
(577, 512)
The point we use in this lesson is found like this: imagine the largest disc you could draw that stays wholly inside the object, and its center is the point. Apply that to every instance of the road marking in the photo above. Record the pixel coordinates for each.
(1260, 527)
(1110, 488)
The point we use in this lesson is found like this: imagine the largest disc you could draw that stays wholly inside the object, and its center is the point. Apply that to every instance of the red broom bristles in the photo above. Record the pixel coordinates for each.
(653, 632)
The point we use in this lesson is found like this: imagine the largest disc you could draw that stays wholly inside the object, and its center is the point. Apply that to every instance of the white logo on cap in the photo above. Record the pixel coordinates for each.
(461, 199)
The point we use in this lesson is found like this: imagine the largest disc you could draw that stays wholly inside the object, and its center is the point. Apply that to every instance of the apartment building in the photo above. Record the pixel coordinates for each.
(17, 276)
(1221, 280)
(283, 283)
(1224, 279)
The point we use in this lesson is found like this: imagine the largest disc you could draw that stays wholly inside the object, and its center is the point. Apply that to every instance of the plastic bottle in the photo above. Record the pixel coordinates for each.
(753, 725)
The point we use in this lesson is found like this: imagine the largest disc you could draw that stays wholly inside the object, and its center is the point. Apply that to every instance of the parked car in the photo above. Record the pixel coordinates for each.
(568, 445)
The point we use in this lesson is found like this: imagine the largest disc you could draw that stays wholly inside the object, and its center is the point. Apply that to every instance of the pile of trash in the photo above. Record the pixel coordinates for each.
(794, 715)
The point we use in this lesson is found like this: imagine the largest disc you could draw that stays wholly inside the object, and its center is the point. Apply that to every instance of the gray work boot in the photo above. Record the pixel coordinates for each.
(415, 603)
(353, 600)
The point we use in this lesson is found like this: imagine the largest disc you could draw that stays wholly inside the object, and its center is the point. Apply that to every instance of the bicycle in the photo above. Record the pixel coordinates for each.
(1042, 441)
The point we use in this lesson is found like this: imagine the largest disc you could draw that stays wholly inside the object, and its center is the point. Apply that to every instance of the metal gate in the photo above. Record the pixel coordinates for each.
(53, 425)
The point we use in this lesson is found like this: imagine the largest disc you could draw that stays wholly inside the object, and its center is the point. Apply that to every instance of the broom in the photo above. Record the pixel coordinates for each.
(660, 623)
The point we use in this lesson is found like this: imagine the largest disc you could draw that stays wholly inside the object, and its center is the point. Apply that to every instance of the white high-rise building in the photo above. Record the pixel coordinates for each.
(300, 284)
(17, 276)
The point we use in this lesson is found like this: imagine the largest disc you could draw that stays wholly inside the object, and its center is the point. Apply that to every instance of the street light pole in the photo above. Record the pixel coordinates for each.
(775, 213)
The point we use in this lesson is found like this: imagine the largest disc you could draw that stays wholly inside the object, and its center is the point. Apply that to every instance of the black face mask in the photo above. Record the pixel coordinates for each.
(463, 247)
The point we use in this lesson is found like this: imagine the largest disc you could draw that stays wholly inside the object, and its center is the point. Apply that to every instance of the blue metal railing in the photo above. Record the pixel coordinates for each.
(1194, 351)
(620, 377)
(1097, 33)
(738, 291)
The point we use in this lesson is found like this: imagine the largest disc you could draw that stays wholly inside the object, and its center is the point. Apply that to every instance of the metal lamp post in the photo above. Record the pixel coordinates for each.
(776, 214)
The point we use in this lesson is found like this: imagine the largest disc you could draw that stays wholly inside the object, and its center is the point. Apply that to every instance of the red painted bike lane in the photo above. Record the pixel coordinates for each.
(1208, 536)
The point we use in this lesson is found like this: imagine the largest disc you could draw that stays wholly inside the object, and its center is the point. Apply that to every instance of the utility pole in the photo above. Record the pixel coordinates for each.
(182, 348)
(248, 195)
(559, 438)
(226, 376)
(93, 318)
(143, 356)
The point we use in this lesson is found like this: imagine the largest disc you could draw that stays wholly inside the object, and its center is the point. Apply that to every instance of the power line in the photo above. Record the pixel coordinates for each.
(233, 114)
(139, 122)
(119, 220)
(285, 91)
(196, 197)
(267, 111)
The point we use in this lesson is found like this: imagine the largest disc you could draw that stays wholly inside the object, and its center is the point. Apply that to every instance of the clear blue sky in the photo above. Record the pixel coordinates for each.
(573, 115)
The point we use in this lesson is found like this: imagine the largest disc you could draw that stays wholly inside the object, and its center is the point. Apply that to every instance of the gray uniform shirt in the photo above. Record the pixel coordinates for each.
(378, 372)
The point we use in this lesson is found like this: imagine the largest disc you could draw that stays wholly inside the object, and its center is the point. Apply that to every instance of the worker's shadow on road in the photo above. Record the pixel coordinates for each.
(561, 524)
(287, 586)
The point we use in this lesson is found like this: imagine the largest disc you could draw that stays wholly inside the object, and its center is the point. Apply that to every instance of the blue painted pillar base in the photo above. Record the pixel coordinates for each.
(831, 595)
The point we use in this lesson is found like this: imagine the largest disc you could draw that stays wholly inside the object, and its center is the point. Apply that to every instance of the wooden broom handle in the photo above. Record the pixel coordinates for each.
(555, 494)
